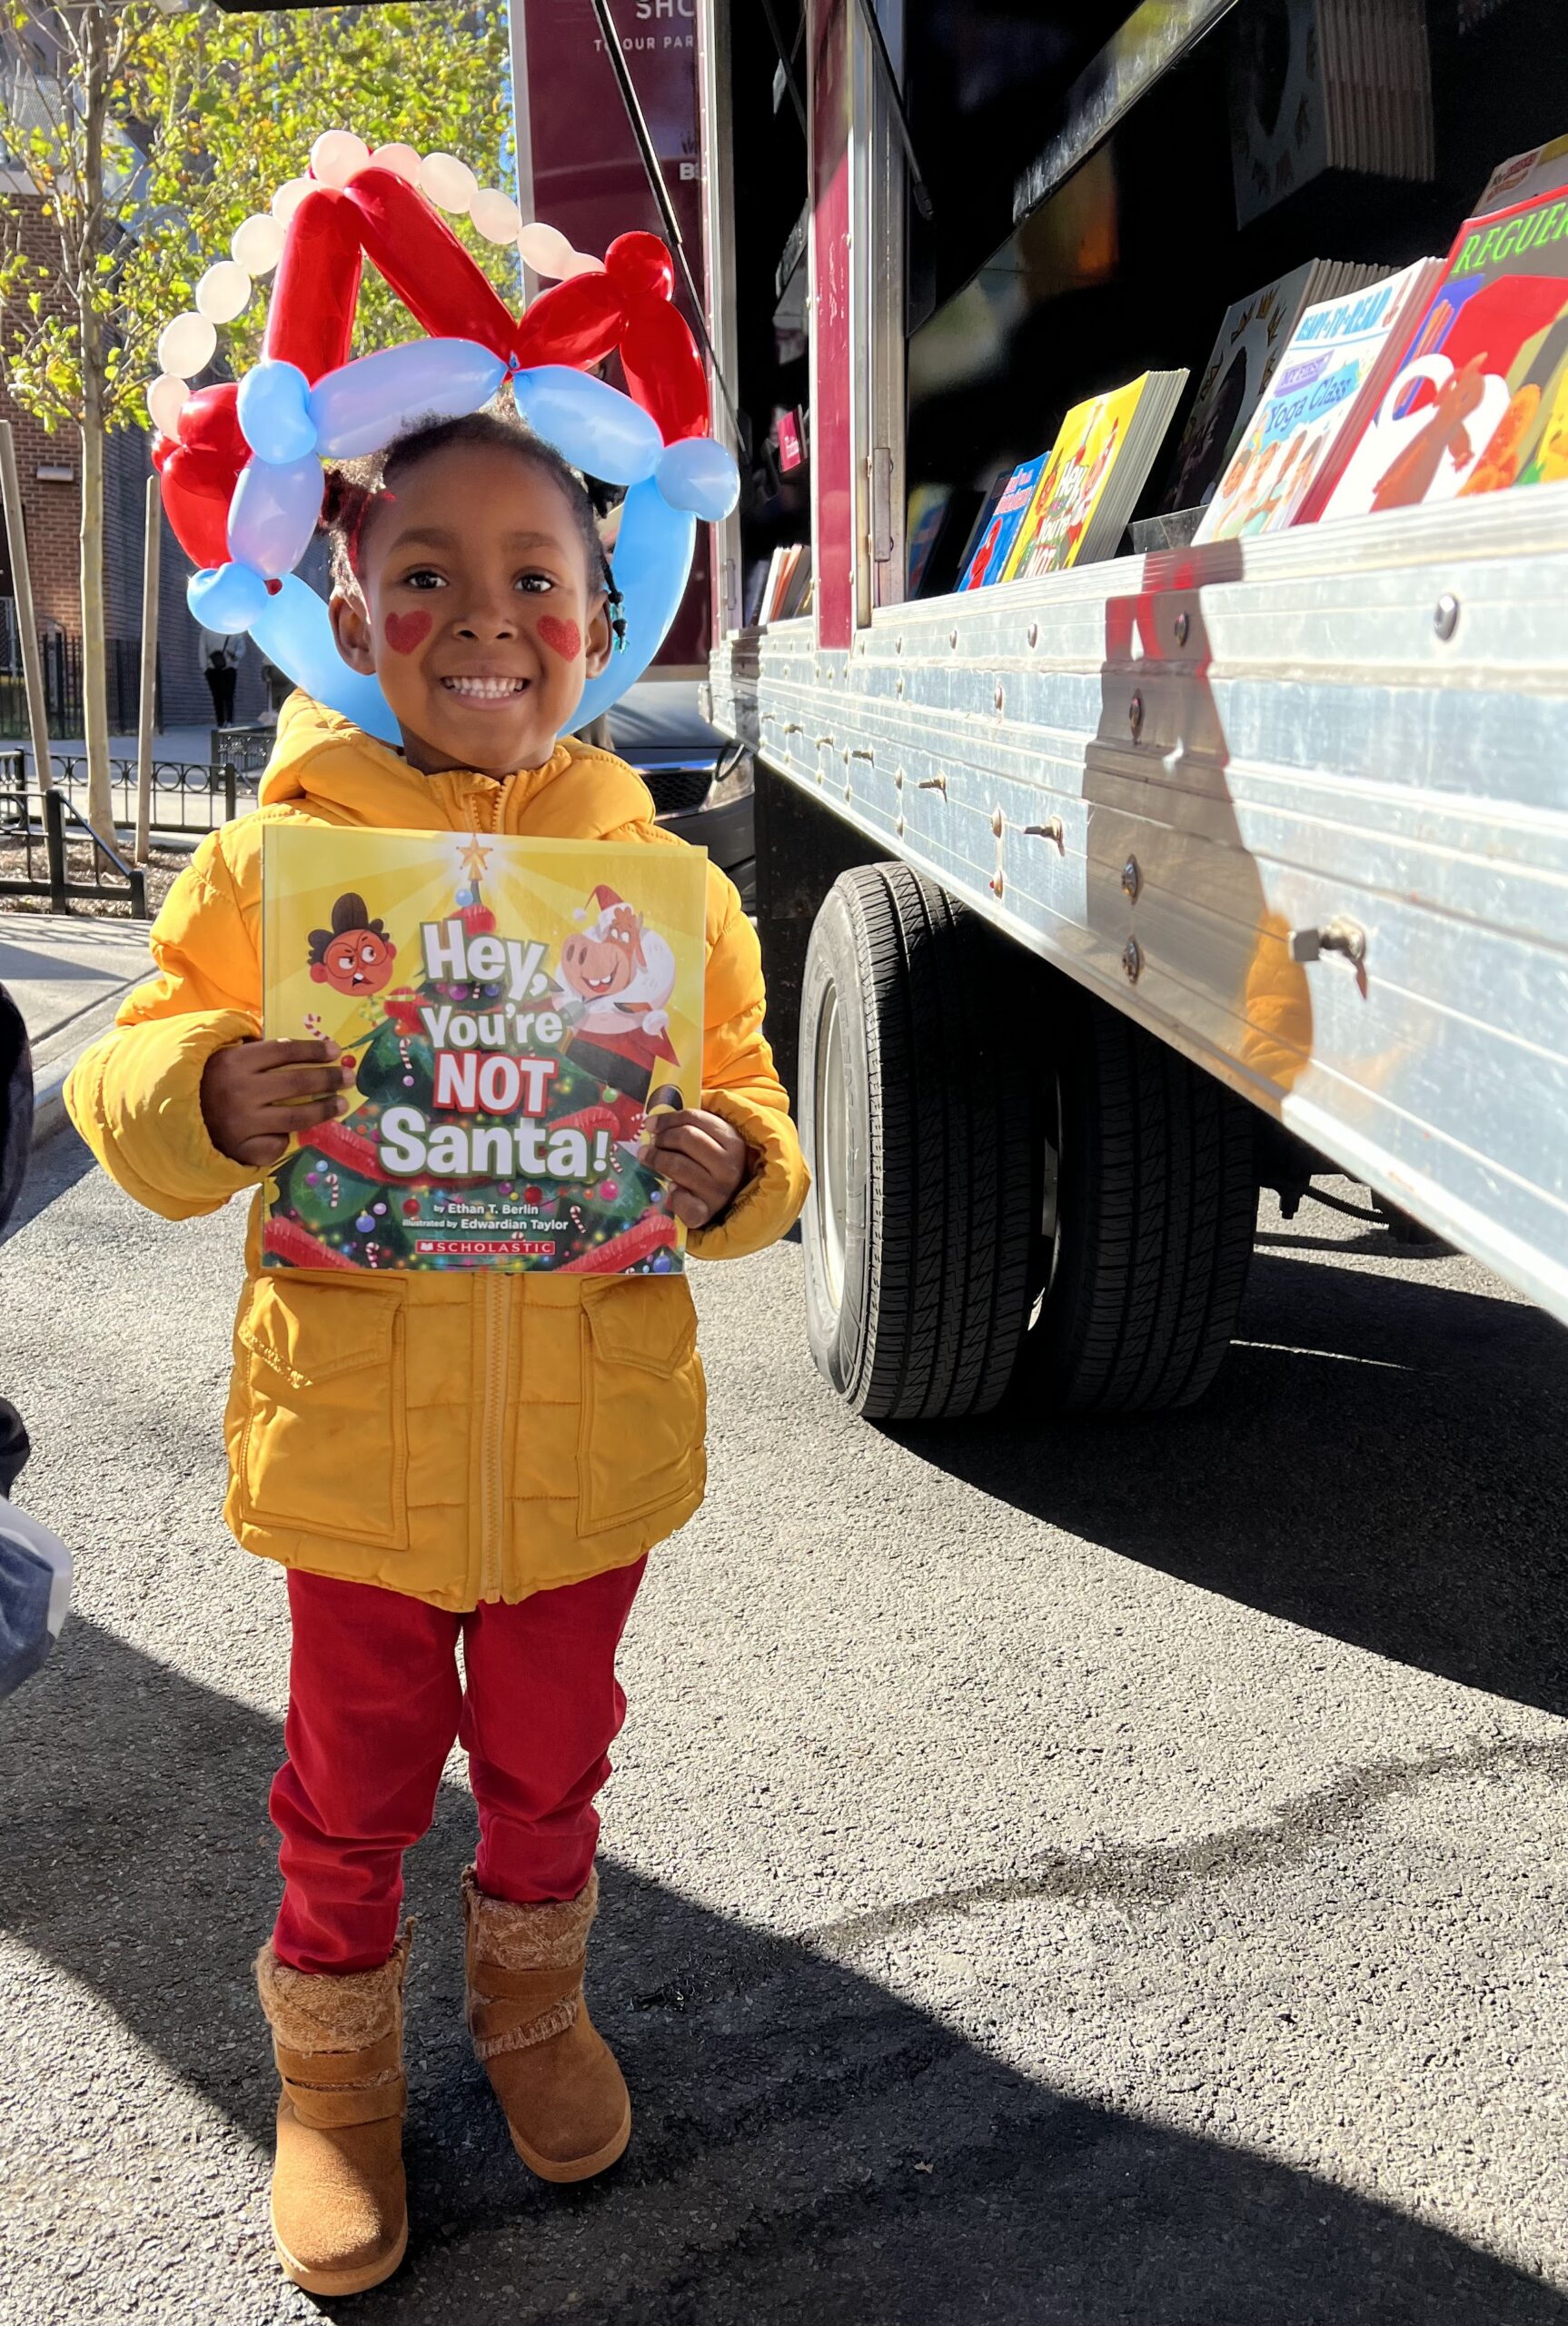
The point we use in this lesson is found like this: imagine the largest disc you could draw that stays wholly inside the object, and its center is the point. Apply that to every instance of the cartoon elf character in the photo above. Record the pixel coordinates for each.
(615, 977)
(355, 955)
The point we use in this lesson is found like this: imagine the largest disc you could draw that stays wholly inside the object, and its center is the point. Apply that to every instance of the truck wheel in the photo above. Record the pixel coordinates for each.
(919, 1232)
(1147, 1210)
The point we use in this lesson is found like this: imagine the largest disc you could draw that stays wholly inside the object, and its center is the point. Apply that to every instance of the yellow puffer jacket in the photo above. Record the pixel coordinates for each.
(456, 1437)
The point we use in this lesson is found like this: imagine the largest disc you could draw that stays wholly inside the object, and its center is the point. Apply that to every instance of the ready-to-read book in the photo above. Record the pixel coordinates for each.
(989, 557)
(513, 1009)
(1478, 400)
(1332, 373)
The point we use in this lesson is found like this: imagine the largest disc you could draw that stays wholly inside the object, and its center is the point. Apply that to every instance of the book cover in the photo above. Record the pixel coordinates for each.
(1479, 399)
(1093, 436)
(1253, 337)
(991, 552)
(1317, 395)
(949, 550)
(928, 507)
(511, 1009)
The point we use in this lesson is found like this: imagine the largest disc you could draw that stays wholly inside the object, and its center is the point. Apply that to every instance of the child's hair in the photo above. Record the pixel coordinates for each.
(352, 487)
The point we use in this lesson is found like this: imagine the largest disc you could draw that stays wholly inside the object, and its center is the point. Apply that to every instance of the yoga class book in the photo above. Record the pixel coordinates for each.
(513, 1011)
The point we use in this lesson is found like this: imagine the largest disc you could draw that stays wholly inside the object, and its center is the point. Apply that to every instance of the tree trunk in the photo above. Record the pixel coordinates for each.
(94, 692)
(94, 688)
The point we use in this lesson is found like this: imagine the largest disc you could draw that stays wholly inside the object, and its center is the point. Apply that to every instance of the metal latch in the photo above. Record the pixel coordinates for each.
(1344, 937)
(881, 467)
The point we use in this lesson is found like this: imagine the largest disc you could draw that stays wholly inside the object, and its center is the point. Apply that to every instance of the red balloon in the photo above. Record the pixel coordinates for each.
(663, 369)
(639, 263)
(162, 447)
(197, 489)
(210, 423)
(426, 265)
(310, 321)
(578, 323)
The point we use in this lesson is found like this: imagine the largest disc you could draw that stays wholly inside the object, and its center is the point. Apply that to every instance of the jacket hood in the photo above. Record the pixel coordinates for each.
(326, 763)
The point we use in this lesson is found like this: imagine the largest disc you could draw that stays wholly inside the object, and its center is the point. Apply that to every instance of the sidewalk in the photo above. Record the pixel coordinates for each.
(66, 975)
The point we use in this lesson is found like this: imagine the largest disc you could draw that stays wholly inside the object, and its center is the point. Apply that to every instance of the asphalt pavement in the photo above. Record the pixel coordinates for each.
(1106, 1875)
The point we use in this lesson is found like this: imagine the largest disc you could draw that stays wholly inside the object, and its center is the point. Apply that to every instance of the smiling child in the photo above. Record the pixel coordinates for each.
(470, 578)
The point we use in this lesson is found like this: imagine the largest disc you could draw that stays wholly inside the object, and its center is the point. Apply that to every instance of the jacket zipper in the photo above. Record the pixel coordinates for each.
(495, 1309)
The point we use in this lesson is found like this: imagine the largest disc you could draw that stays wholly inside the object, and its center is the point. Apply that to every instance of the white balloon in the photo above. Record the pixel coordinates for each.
(336, 154)
(288, 198)
(545, 248)
(223, 292)
(496, 215)
(166, 399)
(450, 183)
(403, 159)
(258, 244)
(186, 345)
(581, 263)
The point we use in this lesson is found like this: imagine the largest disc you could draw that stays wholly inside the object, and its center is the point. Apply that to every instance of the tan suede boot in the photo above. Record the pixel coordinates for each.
(553, 2073)
(340, 2212)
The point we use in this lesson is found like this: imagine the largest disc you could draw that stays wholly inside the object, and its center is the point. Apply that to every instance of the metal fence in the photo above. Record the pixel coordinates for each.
(61, 658)
(62, 856)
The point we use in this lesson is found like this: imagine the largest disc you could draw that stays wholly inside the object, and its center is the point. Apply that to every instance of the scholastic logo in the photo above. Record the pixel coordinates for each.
(474, 1248)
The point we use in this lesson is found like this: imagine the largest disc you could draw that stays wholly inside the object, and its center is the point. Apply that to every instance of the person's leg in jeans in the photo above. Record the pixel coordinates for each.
(374, 1699)
(214, 678)
(542, 1709)
(226, 681)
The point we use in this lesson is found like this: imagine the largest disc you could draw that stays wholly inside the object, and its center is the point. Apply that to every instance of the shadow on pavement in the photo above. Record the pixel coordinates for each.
(1383, 1460)
(809, 2148)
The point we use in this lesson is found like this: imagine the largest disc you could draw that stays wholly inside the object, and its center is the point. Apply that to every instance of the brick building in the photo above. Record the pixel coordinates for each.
(50, 468)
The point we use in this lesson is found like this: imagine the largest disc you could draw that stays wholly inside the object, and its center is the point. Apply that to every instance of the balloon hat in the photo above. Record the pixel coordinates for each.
(239, 465)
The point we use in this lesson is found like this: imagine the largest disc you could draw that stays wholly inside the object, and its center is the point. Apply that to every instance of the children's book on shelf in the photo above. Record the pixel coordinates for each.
(1095, 471)
(1328, 85)
(1333, 373)
(513, 1011)
(950, 551)
(988, 558)
(928, 507)
(1477, 400)
(1253, 337)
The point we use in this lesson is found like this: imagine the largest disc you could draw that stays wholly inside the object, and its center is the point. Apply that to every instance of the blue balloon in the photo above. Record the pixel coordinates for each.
(367, 403)
(294, 633)
(227, 597)
(699, 474)
(652, 565)
(274, 413)
(589, 423)
(272, 515)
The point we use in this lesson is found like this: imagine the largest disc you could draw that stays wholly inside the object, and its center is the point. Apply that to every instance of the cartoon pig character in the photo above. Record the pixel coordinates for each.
(616, 975)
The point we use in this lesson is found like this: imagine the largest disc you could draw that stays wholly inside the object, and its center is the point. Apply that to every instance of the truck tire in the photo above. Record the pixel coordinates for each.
(1147, 1212)
(919, 1233)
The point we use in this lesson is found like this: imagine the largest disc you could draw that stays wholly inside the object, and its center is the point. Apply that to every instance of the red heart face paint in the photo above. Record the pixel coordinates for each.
(562, 636)
(403, 632)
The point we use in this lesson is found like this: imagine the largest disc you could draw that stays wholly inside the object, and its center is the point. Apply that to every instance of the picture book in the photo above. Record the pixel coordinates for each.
(1327, 85)
(513, 1010)
(988, 560)
(1478, 400)
(949, 552)
(1318, 399)
(1096, 470)
(928, 507)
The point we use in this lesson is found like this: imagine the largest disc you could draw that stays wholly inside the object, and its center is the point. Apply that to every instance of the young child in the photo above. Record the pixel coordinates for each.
(441, 1456)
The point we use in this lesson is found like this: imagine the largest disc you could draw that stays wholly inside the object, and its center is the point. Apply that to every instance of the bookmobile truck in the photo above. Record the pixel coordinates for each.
(1093, 903)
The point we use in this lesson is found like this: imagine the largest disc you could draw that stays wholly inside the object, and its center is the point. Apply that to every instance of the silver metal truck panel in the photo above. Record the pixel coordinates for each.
(1165, 773)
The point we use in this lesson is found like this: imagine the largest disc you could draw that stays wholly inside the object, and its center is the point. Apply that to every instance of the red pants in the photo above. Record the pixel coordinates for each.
(375, 1704)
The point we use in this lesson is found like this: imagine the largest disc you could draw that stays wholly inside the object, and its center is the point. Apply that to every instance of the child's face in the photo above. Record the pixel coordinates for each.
(473, 611)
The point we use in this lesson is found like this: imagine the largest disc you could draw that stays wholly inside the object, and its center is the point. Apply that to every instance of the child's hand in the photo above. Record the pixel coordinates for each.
(257, 1096)
(704, 1157)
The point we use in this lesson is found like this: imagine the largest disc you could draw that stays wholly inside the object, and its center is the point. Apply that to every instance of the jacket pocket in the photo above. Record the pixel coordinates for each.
(324, 1450)
(644, 1402)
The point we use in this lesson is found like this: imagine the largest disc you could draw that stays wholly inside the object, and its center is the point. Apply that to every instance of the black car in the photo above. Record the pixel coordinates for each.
(701, 783)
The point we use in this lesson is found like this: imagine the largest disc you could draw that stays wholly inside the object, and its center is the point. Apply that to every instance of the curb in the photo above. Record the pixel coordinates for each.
(55, 1055)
